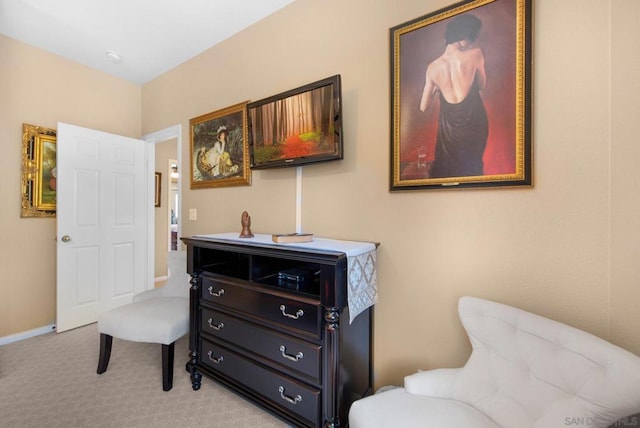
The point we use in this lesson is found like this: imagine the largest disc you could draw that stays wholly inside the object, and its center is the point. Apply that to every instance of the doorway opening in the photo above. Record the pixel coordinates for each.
(173, 202)
(165, 150)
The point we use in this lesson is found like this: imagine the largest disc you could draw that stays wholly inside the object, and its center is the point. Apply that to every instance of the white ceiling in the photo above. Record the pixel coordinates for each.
(151, 36)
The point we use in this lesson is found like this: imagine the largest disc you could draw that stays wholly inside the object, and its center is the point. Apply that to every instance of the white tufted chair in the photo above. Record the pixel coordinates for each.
(524, 371)
(160, 316)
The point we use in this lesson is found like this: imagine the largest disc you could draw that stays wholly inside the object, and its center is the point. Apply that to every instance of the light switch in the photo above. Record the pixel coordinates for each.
(193, 214)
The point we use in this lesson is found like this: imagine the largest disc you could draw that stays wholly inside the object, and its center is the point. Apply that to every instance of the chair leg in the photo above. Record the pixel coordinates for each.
(105, 352)
(167, 366)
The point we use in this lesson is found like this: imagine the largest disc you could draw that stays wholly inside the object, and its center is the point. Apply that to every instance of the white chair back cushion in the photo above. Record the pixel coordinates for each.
(529, 371)
(177, 284)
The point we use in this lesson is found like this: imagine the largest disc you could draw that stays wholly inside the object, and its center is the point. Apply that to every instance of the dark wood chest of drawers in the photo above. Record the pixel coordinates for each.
(271, 322)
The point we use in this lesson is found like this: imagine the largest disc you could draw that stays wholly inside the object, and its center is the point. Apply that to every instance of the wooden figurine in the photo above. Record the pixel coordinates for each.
(246, 226)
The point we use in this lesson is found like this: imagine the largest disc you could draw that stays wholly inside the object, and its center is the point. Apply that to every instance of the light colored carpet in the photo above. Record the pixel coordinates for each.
(51, 381)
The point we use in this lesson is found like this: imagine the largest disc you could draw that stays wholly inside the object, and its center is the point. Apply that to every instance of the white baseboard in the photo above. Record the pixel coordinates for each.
(160, 278)
(27, 334)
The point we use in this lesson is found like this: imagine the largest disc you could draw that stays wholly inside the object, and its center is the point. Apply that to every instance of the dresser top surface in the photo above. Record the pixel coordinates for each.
(322, 245)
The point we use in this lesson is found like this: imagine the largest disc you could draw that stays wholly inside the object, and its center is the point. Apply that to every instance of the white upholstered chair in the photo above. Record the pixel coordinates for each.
(525, 371)
(160, 316)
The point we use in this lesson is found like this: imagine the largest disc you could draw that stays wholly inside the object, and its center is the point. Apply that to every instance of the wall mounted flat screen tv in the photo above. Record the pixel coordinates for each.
(297, 127)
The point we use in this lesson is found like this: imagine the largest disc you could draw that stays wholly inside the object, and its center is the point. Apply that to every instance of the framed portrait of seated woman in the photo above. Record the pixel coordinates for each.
(219, 148)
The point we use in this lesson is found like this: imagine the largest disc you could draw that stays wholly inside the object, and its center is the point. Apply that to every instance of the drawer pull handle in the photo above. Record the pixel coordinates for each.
(298, 314)
(295, 358)
(216, 327)
(215, 360)
(216, 294)
(294, 400)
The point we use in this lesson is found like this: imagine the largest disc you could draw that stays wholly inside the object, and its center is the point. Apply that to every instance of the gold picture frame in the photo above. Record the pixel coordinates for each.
(217, 160)
(38, 182)
(442, 139)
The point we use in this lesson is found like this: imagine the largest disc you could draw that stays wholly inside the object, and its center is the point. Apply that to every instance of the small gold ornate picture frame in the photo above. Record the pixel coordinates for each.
(39, 171)
(219, 148)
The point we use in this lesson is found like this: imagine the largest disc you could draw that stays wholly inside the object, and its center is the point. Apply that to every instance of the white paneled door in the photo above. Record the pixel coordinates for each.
(102, 223)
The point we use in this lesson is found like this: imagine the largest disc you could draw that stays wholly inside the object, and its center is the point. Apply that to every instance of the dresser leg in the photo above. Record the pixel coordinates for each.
(194, 329)
(331, 378)
(195, 380)
(196, 377)
(332, 424)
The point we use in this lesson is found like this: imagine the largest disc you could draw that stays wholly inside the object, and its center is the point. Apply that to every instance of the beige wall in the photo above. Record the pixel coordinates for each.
(565, 248)
(624, 193)
(43, 89)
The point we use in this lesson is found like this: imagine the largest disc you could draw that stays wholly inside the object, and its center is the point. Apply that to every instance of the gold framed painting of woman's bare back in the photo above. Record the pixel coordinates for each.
(461, 97)
(219, 148)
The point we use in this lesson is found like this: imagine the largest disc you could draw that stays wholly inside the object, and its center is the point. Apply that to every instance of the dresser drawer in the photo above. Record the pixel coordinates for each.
(298, 355)
(303, 315)
(301, 399)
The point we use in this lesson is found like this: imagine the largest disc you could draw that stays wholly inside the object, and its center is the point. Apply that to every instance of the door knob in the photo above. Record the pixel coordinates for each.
(66, 238)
